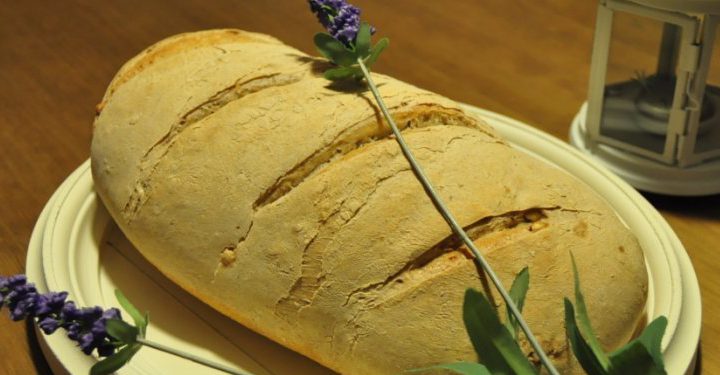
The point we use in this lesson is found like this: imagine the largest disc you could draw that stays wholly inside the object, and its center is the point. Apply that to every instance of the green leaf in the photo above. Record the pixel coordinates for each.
(141, 321)
(344, 72)
(122, 331)
(634, 358)
(465, 368)
(518, 290)
(648, 358)
(333, 50)
(651, 338)
(375, 51)
(115, 361)
(584, 354)
(362, 40)
(583, 320)
(491, 340)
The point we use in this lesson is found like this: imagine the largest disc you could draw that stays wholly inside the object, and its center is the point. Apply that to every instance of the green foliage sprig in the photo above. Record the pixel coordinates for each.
(641, 356)
(496, 343)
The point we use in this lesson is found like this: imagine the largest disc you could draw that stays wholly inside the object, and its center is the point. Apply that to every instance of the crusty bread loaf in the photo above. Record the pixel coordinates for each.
(280, 200)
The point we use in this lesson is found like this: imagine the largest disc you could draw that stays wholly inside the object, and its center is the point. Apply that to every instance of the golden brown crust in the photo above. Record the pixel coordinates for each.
(178, 43)
(282, 202)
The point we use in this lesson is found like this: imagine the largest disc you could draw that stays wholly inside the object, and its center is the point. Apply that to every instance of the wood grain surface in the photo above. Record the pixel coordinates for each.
(528, 59)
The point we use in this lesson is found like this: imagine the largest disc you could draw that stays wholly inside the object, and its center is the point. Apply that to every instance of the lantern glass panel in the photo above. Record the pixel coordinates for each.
(708, 139)
(640, 81)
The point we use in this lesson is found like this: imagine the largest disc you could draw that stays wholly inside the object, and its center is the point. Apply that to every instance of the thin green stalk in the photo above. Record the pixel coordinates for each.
(456, 228)
(189, 357)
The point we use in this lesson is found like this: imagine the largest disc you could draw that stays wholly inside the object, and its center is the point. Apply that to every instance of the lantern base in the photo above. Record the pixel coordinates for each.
(646, 174)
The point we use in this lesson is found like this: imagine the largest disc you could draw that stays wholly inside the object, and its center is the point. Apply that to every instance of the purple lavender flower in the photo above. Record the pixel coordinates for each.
(21, 299)
(23, 307)
(342, 20)
(87, 342)
(73, 330)
(69, 313)
(49, 325)
(12, 281)
(50, 302)
(8, 284)
(325, 10)
(86, 326)
(112, 313)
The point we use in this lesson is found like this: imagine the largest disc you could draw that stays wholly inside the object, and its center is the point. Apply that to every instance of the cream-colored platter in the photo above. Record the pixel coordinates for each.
(76, 247)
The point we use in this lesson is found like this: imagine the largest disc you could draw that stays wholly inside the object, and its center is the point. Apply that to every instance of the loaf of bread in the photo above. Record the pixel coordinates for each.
(279, 199)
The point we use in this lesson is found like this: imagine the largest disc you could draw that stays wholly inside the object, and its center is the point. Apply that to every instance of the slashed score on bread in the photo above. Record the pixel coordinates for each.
(280, 200)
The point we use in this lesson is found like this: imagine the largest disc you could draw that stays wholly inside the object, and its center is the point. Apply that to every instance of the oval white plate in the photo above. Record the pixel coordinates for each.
(76, 247)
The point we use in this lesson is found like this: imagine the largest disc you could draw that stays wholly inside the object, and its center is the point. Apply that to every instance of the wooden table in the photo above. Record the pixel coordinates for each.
(525, 59)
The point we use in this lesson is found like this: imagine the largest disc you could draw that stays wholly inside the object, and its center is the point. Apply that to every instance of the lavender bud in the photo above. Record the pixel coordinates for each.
(69, 312)
(21, 300)
(87, 327)
(20, 291)
(342, 20)
(87, 343)
(50, 303)
(12, 281)
(98, 328)
(22, 308)
(49, 325)
(73, 330)
(112, 313)
(90, 314)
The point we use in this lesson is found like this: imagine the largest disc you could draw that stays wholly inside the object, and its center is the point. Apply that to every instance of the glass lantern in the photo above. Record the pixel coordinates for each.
(653, 109)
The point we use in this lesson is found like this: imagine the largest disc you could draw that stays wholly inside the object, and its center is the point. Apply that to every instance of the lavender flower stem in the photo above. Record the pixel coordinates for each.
(456, 228)
(189, 357)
